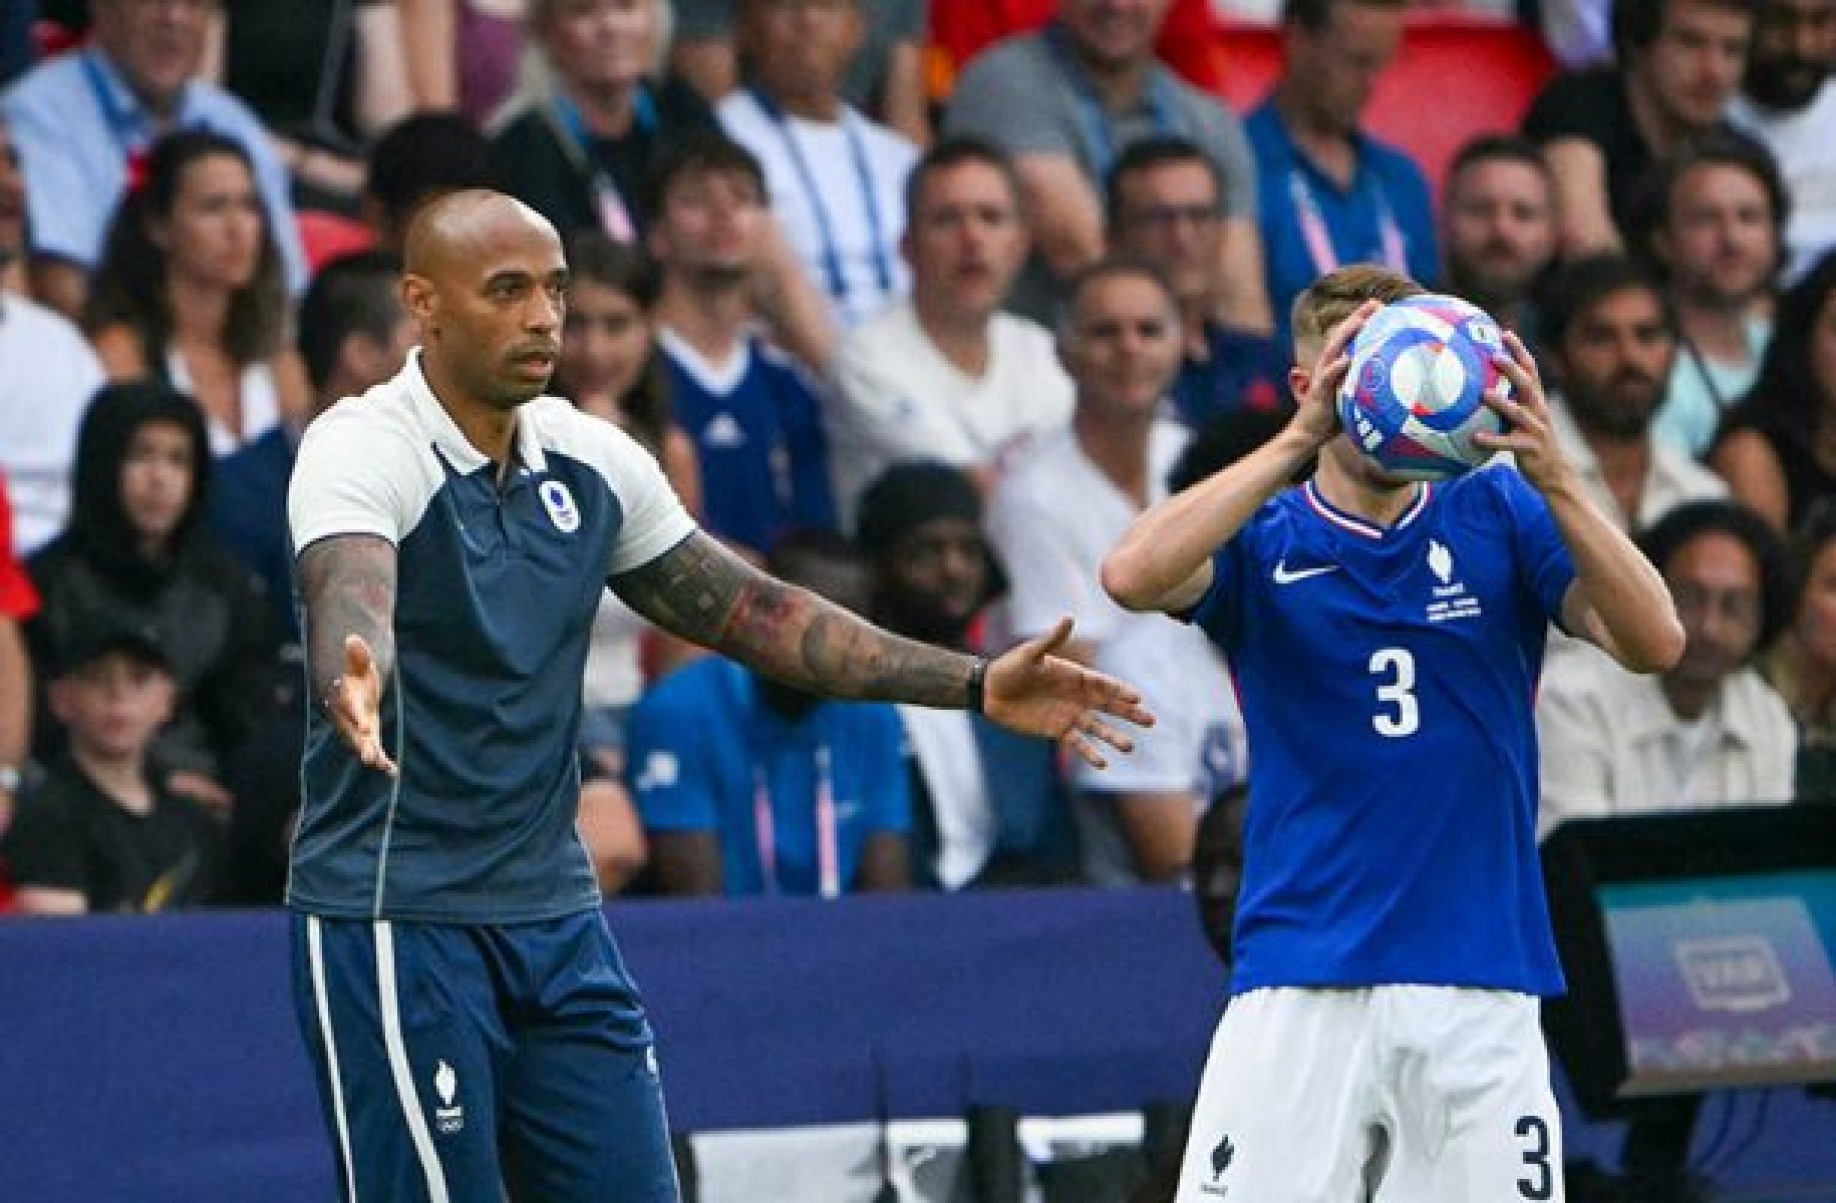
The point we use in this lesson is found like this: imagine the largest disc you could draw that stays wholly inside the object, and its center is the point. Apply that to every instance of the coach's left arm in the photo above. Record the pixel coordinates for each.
(702, 591)
(1618, 601)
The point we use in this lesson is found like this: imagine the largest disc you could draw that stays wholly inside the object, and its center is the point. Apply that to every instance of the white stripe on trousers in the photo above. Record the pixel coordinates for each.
(398, 1065)
(315, 959)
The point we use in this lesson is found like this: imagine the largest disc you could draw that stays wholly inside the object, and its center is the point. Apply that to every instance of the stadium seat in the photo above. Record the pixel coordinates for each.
(1456, 76)
(325, 236)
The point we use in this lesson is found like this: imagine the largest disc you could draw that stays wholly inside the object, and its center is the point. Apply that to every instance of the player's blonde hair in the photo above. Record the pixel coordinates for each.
(1335, 296)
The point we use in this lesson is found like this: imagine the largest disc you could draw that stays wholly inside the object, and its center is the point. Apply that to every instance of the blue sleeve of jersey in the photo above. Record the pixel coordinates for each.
(1542, 556)
(889, 798)
(668, 770)
(1216, 612)
(812, 502)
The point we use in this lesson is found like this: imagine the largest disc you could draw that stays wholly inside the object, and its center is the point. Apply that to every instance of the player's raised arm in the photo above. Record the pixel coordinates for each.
(348, 585)
(703, 592)
(1618, 601)
(1164, 561)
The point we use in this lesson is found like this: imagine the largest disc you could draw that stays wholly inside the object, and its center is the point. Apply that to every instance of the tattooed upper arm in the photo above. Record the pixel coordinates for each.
(691, 590)
(348, 585)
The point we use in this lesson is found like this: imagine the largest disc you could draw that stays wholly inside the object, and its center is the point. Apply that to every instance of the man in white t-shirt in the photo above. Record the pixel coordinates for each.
(50, 376)
(1056, 513)
(834, 175)
(1139, 822)
(945, 375)
(1788, 101)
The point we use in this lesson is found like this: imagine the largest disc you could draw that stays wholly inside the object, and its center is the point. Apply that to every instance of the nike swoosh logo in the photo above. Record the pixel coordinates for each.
(1287, 576)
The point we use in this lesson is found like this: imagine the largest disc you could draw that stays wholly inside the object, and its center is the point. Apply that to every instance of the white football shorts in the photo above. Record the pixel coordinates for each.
(1386, 1094)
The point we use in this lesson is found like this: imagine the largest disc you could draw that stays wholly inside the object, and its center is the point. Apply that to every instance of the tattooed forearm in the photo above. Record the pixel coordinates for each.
(689, 590)
(348, 584)
(703, 592)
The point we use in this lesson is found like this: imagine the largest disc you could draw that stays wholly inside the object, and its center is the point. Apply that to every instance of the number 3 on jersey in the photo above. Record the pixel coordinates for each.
(1398, 714)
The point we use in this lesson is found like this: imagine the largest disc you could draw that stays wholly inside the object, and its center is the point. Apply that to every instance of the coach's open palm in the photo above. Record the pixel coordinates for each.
(1032, 690)
(354, 705)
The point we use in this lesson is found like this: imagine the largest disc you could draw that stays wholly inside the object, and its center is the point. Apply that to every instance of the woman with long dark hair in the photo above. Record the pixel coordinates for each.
(191, 292)
(1777, 448)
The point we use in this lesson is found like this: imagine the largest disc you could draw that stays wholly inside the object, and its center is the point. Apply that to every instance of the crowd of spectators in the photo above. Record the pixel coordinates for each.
(926, 343)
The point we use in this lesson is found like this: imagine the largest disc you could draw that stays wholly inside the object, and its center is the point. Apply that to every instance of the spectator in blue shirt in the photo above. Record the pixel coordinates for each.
(749, 787)
(751, 410)
(1331, 194)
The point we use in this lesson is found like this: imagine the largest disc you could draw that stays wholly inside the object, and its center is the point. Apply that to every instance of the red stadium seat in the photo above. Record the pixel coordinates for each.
(326, 236)
(1456, 76)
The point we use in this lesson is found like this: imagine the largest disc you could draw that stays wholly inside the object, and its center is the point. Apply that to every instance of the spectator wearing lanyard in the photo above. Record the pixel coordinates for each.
(887, 78)
(584, 132)
(947, 375)
(1331, 194)
(1065, 101)
(836, 177)
(748, 787)
(82, 123)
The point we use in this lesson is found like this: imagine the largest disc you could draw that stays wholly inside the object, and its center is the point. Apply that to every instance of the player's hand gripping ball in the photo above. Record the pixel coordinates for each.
(1414, 397)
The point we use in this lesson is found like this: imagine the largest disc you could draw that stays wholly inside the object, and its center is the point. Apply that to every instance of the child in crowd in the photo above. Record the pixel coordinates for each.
(101, 833)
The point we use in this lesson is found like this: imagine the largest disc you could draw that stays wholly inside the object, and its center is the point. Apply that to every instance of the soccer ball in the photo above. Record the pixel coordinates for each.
(1413, 399)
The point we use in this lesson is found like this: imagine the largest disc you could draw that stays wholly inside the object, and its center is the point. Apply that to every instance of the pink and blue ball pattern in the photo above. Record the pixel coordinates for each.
(1414, 397)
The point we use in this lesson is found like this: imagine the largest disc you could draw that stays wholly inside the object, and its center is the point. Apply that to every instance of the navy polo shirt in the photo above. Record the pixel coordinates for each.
(496, 589)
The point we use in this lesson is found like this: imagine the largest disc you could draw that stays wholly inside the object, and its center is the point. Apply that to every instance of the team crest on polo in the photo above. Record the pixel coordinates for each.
(560, 506)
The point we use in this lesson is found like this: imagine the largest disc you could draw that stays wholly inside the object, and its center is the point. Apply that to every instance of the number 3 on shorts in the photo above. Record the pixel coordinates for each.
(1539, 1183)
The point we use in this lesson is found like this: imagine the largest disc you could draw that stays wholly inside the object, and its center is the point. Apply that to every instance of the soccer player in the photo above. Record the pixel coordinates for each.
(474, 1031)
(1391, 938)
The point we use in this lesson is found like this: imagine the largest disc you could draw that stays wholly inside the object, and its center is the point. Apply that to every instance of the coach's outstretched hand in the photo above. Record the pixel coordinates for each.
(354, 705)
(1033, 690)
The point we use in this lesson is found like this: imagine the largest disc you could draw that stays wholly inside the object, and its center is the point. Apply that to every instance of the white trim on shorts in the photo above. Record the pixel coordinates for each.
(315, 959)
(399, 1068)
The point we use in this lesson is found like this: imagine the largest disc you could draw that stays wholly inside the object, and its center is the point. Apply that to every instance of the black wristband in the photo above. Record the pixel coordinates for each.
(978, 685)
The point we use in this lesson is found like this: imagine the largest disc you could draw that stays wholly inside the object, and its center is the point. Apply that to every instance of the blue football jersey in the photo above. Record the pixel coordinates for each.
(1387, 679)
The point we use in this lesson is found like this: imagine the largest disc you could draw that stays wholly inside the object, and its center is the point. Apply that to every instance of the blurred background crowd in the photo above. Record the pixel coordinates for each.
(919, 305)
